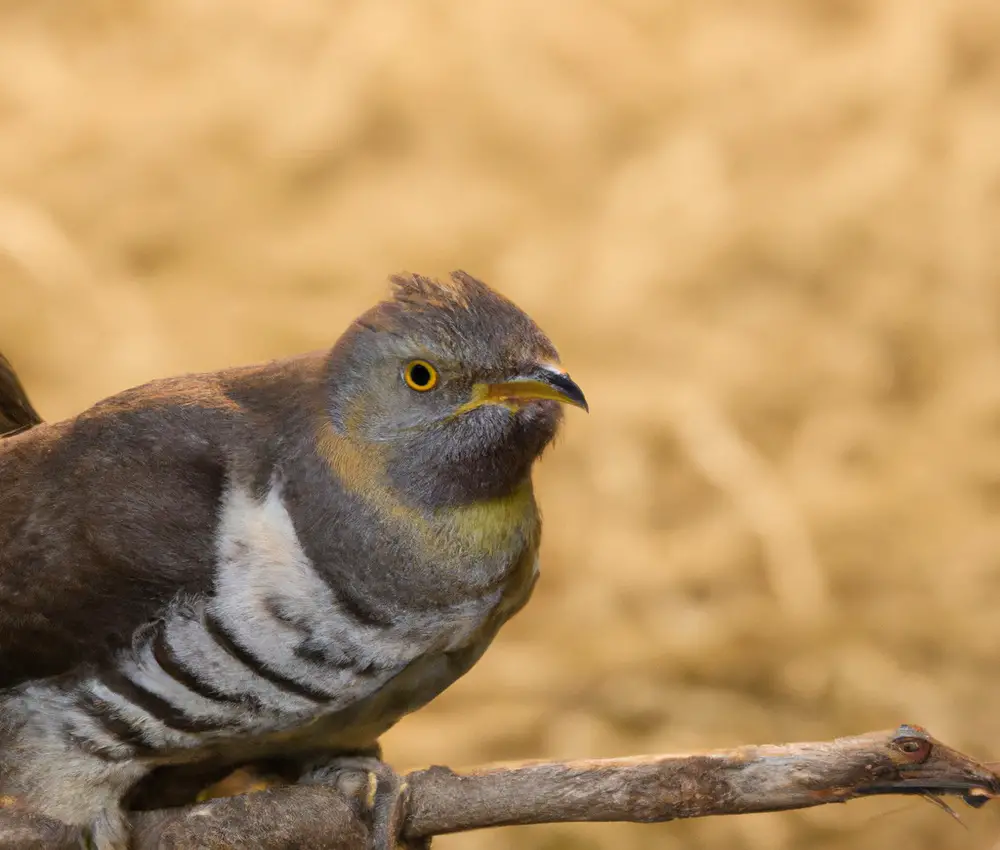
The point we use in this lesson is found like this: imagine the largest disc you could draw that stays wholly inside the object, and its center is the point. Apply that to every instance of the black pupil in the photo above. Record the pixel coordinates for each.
(420, 374)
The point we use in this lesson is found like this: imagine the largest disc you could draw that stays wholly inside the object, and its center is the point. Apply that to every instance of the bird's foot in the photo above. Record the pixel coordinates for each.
(379, 793)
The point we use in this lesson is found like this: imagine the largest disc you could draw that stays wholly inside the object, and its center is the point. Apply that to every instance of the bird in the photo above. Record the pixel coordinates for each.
(274, 562)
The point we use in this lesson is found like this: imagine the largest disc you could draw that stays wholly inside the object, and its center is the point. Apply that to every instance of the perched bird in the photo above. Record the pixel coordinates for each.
(270, 562)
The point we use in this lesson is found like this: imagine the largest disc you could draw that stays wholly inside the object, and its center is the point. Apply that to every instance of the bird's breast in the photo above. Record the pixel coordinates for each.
(290, 649)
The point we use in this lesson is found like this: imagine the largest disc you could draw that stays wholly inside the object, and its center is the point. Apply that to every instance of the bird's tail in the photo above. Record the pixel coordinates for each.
(16, 411)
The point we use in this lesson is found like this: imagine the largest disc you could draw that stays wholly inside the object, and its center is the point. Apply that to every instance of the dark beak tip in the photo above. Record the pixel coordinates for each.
(569, 388)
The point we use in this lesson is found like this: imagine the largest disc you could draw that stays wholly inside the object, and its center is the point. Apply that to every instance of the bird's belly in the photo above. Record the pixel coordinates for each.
(207, 686)
(359, 725)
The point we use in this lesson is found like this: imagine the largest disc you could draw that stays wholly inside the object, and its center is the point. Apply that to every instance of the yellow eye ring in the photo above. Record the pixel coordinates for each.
(420, 376)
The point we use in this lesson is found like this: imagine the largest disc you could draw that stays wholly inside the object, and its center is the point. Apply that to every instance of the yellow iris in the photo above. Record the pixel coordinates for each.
(420, 376)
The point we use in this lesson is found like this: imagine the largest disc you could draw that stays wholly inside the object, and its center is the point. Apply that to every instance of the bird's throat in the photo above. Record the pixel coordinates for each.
(468, 519)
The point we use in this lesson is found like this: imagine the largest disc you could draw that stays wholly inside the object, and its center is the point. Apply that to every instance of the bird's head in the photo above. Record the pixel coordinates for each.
(456, 386)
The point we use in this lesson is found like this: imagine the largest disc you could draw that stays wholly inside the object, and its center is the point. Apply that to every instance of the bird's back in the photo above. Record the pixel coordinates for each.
(108, 516)
(103, 519)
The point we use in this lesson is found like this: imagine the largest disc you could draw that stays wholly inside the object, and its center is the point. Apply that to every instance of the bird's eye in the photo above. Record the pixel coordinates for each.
(420, 376)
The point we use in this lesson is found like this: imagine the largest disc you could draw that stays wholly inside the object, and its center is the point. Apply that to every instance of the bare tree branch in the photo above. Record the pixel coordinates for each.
(642, 788)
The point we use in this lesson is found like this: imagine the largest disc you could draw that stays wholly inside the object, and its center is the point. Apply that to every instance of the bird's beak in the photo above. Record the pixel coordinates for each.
(544, 382)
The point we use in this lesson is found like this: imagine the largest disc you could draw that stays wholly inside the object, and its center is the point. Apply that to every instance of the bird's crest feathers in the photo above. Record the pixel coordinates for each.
(460, 319)
(461, 304)
(458, 292)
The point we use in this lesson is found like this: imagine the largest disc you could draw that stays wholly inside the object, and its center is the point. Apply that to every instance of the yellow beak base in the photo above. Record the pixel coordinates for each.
(544, 384)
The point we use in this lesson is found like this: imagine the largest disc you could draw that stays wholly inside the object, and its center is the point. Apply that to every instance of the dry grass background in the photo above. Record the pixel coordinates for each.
(764, 236)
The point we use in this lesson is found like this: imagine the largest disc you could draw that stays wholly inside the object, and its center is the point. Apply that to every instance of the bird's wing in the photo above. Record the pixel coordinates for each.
(102, 520)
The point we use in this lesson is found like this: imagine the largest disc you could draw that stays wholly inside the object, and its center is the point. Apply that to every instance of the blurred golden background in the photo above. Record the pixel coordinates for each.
(764, 237)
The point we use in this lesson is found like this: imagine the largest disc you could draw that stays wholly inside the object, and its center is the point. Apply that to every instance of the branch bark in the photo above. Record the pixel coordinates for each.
(647, 789)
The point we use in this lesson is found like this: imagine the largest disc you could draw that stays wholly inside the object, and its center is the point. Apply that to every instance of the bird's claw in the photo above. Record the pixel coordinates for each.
(380, 794)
